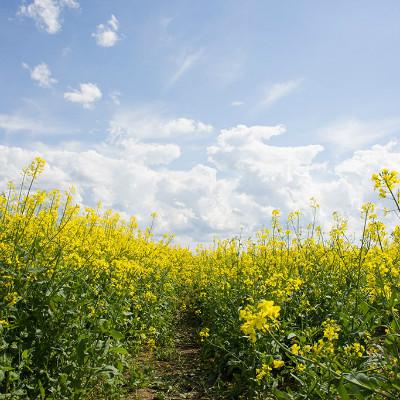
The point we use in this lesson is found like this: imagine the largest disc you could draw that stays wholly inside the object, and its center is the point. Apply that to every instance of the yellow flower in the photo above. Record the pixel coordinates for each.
(331, 329)
(267, 309)
(204, 333)
(356, 349)
(295, 349)
(278, 364)
(263, 372)
(300, 367)
(263, 318)
(12, 298)
(4, 323)
(36, 167)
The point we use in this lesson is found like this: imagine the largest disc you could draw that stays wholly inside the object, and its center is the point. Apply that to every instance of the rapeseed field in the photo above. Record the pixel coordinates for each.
(292, 313)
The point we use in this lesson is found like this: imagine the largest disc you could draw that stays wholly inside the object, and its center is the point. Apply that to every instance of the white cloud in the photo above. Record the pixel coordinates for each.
(193, 203)
(106, 35)
(87, 95)
(275, 175)
(237, 103)
(280, 90)
(186, 63)
(113, 22)
(47, 13)
(32, 123)
(147, 153)
(242, 134)
(353, 134)
(126, 184)
(353, 179)
(147, 124)
(15, 123)
(70, 3)
(245, 179)
(41, 74)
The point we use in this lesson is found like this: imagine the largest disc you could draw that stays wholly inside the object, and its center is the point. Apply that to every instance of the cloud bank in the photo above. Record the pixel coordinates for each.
(244, 179)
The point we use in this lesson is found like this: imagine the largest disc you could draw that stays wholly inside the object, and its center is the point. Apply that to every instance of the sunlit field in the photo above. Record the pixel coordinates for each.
(291, 313)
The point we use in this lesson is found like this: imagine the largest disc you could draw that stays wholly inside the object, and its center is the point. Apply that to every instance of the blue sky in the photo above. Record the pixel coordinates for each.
(211, 113)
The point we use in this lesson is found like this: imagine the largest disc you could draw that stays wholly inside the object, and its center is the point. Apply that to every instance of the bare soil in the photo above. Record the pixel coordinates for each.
(182, 376)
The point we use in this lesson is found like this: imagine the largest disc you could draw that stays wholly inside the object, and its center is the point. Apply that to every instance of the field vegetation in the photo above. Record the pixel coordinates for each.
(292, 313)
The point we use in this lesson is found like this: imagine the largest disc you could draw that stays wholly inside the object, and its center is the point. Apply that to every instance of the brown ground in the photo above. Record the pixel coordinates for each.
(181, 377)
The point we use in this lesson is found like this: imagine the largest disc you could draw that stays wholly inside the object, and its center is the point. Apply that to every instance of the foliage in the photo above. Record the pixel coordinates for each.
(298, 314)
(80, 289)
(292, 314)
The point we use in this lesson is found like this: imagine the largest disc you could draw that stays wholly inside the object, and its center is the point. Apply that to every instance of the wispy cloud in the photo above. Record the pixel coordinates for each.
(86, 95)
(280, 90)
(150, 123)
(47, 13)
(355, 134)
(115, 97)
(106, 35)
(41, 74)
(187, 62)
(11, 123)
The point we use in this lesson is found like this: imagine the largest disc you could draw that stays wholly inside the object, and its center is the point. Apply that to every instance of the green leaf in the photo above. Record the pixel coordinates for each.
(80, 351)
(119, 350)
(42, 391)
(281, 395)
(110, 369)
(360, 384)
(343, 392)
(25, 354)
(116, 334)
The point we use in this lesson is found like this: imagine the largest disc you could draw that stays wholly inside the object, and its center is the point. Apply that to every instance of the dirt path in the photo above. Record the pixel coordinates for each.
(181, 377)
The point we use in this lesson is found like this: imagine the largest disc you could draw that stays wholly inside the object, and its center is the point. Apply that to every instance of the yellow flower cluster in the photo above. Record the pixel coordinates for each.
(355, 349)
(331, 330)
(385, 181)
(204, 334)
(266, 369)
(264, 318)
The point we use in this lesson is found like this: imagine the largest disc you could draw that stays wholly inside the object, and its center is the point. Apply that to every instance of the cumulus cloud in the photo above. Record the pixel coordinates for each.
(192, 203)
(280, 90)
(355, 134)
(47, 13)
(106, 35)
(242, 134)
(41, 74)
(276, 175)
(127, 184)
(244, 180)
(149, 124)
(145, 153)
(87, 95)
